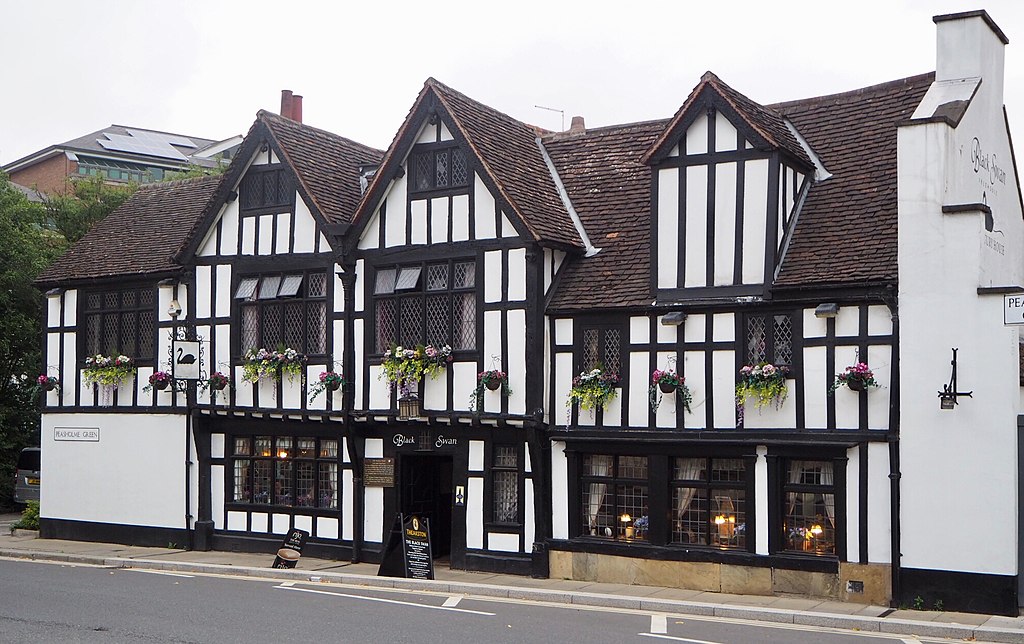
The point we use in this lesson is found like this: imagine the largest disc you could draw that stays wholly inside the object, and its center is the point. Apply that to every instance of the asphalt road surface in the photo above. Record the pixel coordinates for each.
(46, 602)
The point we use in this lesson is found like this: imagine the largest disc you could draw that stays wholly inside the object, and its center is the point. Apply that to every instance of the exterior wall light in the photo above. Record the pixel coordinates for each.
(949, 395)
(174, 310)
(675, 318)
(827, 310)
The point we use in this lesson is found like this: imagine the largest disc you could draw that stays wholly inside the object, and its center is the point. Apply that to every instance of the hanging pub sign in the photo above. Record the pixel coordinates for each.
(291, 548)
(186, 362)
(407, 552)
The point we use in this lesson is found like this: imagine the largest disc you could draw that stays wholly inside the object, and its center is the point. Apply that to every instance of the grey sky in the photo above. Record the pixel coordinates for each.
(204, 68)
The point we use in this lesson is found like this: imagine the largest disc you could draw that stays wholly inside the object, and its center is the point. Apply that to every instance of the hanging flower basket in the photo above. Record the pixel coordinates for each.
(329, 381)
(491, 380)
(404, 368)
(763, 383)
(48, 383)
(857, 377)
(159, 381)
(108, 371)
(216, 382)
(668, 382)
(593, 389)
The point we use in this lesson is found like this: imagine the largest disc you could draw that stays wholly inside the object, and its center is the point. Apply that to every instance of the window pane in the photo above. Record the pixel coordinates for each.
(422, 172)
(328, 448)
(690, 520)
(127, 339)
(756, 341)
(783, 339)
(464, 320)
(262, 473)
(689, 469)
(597, 510)
(146, 330)
(632, 506)
(506, 496)
(633, 467)
(290, 286)
(611, 350)
(271, 326)
(283, 485)
(386, 324)
(505, 456)
(146, 298)
(317, 285)
(243, 446)
(92, 334)
(438, 324)
(590, 356)
(465, 275)
(250, 328)
(269, 286)
(294, 325)
(442, 169)
(242, 492)
(412, 321)
(328, 485)
(728, 469)
(460, 173)
(597, 465)
(128, 299)
(305, 448)
(408, 278)
(809, 524)
(316, 327)
(728, 529)
(305, 478)
(246, 288)
(263, 446)
(385, 281)
(437, 277)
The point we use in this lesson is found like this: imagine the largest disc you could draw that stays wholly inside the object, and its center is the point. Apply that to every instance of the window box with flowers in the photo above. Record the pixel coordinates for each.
(108, 371)
(593, 389)
(328, 381)
(160, 380)
(404, 369)
(764, 384)
(857, 377)
(260, 364)
(491, 380)
(668, 382)
(47, 383)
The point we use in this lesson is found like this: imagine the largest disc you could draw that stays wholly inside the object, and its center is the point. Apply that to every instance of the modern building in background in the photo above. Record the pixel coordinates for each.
(118, 154)
(755, 249)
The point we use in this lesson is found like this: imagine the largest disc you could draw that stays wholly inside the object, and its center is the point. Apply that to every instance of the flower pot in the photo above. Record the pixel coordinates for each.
(333, 385)
(218, 386)
(49, 386)
(856, 384)
(493, 384)
(160, 385)
(666, 387)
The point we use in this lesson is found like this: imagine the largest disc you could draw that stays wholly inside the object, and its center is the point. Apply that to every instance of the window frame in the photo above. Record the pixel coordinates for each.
(286, 182)
(434, 149)
(613, 483)
(710, 486)
(579, 345)
(518, 469)
(422, 293)
(260, 304)
(318, 459)
(771, 341)
(778, 486)
(120, 311)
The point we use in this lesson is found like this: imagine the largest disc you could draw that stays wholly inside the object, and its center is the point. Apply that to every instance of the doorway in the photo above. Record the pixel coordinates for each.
(426, 490)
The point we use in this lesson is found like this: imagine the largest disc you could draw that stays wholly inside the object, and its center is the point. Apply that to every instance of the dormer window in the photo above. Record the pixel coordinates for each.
(434, 168)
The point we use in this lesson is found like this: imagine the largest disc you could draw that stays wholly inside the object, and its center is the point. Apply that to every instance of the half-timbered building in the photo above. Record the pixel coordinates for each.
(799, 274)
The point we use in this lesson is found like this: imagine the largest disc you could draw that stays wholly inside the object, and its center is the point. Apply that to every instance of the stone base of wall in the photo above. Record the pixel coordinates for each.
(875, 586)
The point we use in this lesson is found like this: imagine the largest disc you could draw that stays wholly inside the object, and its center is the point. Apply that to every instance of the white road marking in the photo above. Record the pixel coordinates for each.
(385, 601)
(287, 584)
(160, 572)
(659, 623)
(452, 601)
(676, 639)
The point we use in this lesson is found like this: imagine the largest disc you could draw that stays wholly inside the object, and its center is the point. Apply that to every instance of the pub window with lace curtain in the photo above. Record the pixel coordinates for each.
(614, 497)
(284, 470)
(809, 504)
(120, 322)
(601, 349)
(709, 502)
(770, 338)
(438, 168)
(505, 482)
(429, 303)
(288, 309)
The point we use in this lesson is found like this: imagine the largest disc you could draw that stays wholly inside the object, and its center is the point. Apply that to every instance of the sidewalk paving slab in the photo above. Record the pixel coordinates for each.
(672, 601)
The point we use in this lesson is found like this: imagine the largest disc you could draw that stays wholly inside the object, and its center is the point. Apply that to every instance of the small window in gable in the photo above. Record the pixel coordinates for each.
(602, 348)
(266, 189)
(438, 168)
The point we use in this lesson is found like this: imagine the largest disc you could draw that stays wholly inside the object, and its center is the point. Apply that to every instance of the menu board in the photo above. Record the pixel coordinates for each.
(407, 552)
(291, 549)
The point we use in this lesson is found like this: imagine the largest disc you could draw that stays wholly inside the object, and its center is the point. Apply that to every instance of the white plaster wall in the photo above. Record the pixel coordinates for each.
(755, 214)
(305, 229)
(723, 370)
(70, 358)
(696, 272)
(725, 134)
(71, 307)
(666, 414)
(380, 393)
(283, 233)
(492, 276)
(529, 527)
(507, 229)
(204, 292)
(483, 210)
(516, 275)
(373, 523)
(264, 244)
(53, 311)
(460, 217)
(847, 401)
(637, 405)
(217, 496)
(439, 220)
(248, 236)
(516, 361)
(768, 416)
(693, 370)
(502, 542)
(475, 512)
(394, 218)
(347, 505)
(559, 490)
(222, 308)
(697, 136)
(464, 381)
(371, 234)
(879, 495)
(229, 229)
(761, 500)
(668, 227)
(107, 481)
(433, 391)
(418, 215)
(816, 383)
(725, 217)
(562, 383)
(853, 504)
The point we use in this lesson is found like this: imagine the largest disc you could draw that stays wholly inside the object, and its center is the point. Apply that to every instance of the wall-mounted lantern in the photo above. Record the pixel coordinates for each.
(948, 396)
(827, 310)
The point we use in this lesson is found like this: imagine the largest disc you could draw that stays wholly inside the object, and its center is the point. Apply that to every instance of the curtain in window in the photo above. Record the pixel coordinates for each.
(599, 466)
(830, 498)
(796, 473)
(688, 469)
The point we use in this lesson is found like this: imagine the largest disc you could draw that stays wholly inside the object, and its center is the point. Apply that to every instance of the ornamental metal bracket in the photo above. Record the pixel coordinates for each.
(948, 397)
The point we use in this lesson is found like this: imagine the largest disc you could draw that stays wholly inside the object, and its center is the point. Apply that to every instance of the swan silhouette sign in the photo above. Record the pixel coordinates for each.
(185, 356)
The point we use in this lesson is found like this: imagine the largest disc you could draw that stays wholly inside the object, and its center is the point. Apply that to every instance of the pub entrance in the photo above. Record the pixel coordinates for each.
(426, 490)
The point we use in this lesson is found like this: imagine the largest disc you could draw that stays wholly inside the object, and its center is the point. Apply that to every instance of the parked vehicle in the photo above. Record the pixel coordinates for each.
(26, 476)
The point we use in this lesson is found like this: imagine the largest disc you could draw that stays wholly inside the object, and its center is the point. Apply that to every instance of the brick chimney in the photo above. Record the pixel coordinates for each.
(296, 108)
(286, 103)
(577, 125)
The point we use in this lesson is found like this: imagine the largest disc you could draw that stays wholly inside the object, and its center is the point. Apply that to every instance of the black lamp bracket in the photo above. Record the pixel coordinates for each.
(949, 395)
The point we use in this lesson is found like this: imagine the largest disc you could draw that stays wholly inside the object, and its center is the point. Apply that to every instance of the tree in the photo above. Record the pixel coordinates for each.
(90, 201)
(26, 249)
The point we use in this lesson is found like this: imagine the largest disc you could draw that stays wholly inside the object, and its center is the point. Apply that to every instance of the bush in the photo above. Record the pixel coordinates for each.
(29, 517)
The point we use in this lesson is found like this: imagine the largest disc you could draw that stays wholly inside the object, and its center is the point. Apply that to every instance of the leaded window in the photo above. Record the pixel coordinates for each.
(614, 497)
(120, 322)
(287, 309)
(708, 503)
(263, 189)
(809, 504)
(285, 471)
(431, 303)
(505, 477)
(601, 349)
(770, 338)
(438, 168)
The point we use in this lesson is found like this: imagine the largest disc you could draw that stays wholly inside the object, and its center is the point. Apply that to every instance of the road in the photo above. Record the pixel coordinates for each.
(47, 602)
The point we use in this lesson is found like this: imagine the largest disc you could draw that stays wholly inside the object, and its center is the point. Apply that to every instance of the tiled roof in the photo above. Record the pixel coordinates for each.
(140, 237)
(846, 231)
(326, 164)
(611, 191)
(765, 121)
(508, 149)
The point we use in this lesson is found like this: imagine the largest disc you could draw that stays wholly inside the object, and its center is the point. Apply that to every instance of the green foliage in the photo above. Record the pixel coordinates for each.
(763, 383)
(264, 363)
(939, 606)
(593, 389)
(29, 517)
(25, 250)
(90, 201)
(195, 171)
(108, 371)
(918, 603)
(405, 367)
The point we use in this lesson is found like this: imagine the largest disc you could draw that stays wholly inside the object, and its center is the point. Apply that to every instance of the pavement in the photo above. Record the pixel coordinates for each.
(672, 601)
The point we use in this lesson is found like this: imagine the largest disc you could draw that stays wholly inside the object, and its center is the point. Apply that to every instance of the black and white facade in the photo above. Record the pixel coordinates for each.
(881, 226)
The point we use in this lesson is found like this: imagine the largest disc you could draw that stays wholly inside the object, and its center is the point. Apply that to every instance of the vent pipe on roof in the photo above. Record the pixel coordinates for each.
(286, 103)
(297, 108)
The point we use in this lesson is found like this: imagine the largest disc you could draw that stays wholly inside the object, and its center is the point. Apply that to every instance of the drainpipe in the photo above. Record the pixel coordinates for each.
(894, 461)
(348, 281)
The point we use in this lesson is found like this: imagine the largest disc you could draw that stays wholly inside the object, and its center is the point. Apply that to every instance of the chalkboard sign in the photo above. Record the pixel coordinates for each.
(407, 552)
(291, 549)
